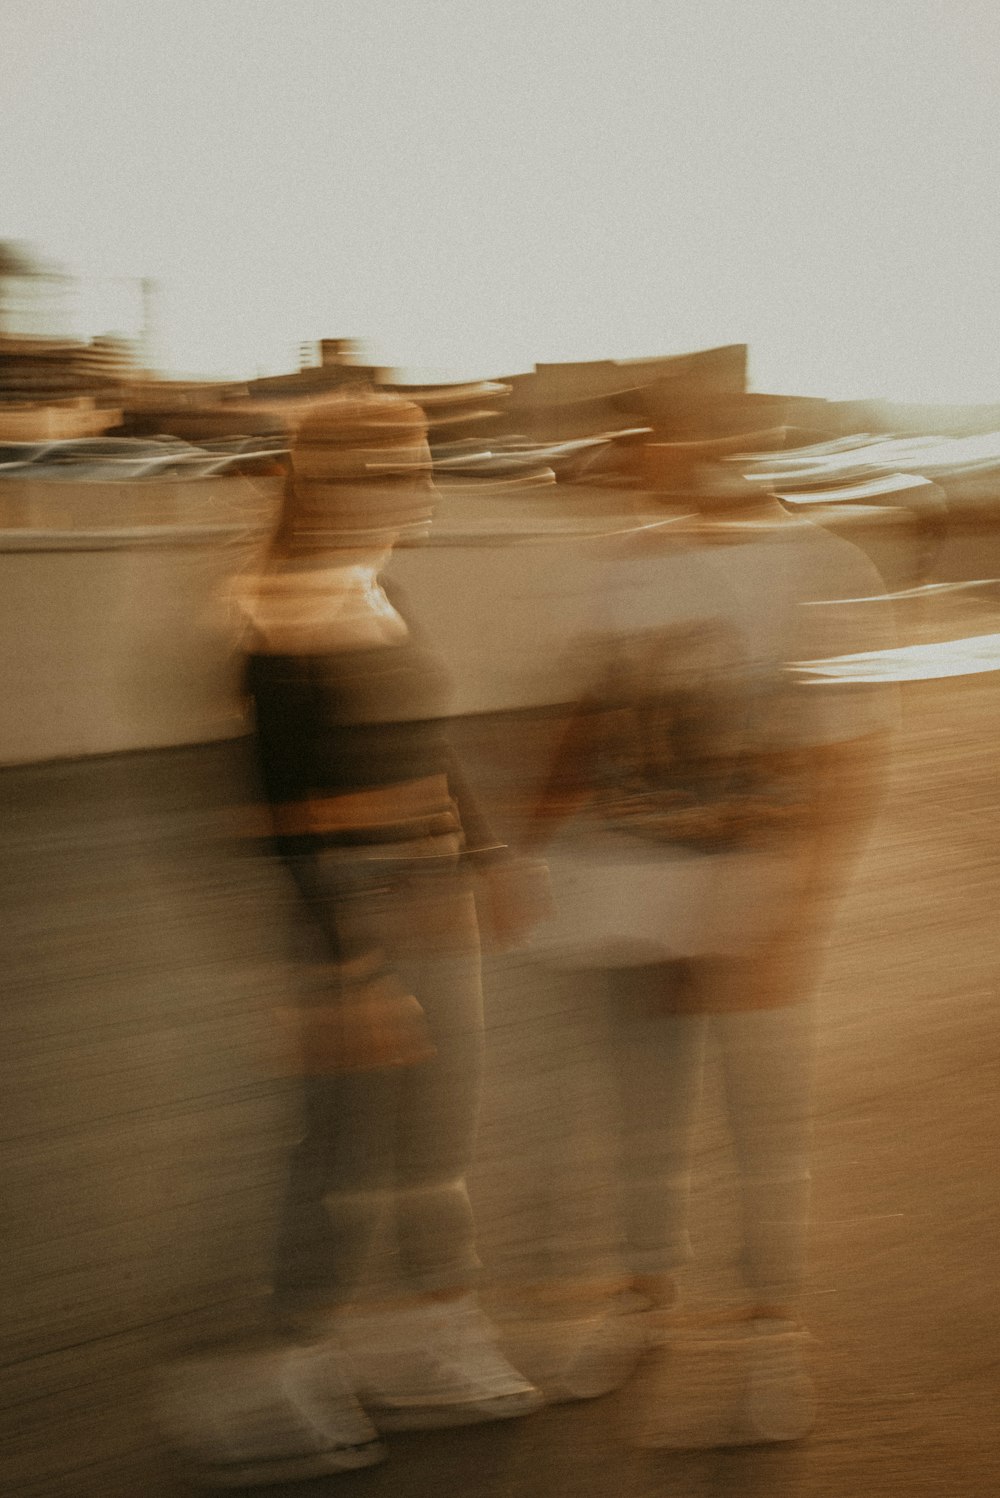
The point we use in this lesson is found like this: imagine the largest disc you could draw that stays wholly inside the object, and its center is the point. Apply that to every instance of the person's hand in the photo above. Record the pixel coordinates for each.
(512, 896)
(370, 1025)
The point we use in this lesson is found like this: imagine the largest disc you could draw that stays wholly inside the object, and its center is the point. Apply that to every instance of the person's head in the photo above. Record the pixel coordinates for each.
(701, 478)
(360, 474)
(723, 489)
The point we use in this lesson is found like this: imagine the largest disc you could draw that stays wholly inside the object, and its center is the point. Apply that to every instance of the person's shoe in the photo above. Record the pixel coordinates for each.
(610, 1349)
(691, 1395)
(715, 1390)
(432, 1366)
(780, 1398)
(250, 1419)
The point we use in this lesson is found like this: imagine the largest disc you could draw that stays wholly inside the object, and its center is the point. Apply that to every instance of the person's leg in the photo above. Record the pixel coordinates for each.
(340, 1172)
(338, 1177)
(768, 1069)
(430, 1358)
(405, 1131)
(768, 1059)
(657, 1060)
(435, 1125)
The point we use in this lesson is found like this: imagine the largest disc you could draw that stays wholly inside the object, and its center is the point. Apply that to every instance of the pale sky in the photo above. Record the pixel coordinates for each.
(476, 186)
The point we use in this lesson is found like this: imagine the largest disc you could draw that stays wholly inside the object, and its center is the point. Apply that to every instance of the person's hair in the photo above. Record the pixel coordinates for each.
(331, 433)
(281, 537)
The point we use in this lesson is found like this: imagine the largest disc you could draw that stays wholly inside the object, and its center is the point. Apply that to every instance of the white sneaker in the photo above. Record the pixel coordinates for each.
(264, 1417)
(432, 1366)
(780, 1398)
(692, 1395)
(739, 1389)
(610, 1349)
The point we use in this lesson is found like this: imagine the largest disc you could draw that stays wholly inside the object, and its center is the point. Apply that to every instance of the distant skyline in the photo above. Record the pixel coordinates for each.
(474, 187)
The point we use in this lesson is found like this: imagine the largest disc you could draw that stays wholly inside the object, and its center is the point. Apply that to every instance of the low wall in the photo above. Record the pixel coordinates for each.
(115, 629)
(116, 632)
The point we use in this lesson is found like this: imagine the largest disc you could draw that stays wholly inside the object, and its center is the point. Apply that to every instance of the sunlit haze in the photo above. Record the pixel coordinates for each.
(474, 187)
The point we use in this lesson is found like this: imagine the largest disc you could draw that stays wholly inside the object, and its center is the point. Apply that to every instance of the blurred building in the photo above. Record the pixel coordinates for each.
(52, 383)
(677, 396)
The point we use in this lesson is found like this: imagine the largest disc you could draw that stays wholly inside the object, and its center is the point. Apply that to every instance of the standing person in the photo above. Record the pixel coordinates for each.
(379, 834)
(700, 812)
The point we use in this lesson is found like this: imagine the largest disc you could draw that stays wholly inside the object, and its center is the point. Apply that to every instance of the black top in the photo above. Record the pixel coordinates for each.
(346, 721)
(350, 721)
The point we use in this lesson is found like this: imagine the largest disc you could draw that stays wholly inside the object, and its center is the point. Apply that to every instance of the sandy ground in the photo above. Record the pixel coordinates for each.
(144, 1133)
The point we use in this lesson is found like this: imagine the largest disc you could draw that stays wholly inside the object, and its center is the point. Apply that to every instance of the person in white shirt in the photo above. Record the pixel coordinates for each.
(700, 813)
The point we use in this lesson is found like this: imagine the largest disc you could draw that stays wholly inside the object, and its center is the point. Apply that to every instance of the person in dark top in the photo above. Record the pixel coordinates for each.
(372, 817)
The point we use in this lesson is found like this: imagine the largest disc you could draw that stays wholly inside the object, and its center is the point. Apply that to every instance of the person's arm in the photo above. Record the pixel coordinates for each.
(511, 886)
(568, 782)
(482, 845)
(844, 785)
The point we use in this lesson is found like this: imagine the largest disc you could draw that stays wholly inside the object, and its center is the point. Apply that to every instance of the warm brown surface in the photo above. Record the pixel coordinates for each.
(143, 1137)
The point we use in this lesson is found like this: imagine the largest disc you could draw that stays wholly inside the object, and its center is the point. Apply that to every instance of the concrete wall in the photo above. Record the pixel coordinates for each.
(119, 636)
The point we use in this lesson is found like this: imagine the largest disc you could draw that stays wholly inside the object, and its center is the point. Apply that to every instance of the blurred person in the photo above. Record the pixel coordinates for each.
(700, 813)
(380, 835)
